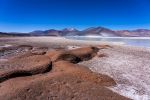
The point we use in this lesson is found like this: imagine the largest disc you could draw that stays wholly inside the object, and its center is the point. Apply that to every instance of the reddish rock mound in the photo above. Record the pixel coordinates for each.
(73, 56)
(66, 81)
(24, 66)
(39, 50)
(62, 56)
(85, 53)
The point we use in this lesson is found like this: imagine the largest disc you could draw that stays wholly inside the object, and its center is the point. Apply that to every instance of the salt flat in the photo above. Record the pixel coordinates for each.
(130, 67)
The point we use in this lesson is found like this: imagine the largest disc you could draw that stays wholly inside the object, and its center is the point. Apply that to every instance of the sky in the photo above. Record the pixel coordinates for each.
(30, 15)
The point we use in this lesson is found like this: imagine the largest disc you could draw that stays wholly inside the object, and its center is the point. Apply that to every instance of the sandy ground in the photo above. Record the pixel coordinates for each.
(128, 66)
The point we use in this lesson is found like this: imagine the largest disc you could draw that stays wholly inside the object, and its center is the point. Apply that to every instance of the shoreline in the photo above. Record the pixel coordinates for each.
(66, 41)
(113, 37)
(57, 40)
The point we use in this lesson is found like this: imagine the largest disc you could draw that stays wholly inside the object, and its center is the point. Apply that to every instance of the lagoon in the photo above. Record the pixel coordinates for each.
(132, 41)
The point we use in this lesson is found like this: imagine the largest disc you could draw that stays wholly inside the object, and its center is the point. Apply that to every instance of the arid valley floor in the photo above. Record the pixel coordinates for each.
(55, 68)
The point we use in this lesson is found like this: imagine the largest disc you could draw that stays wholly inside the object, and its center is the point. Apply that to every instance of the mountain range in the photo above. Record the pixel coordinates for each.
(92, 31)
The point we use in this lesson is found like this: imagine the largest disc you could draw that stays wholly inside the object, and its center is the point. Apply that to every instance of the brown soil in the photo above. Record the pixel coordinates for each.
(83, 73)
(55, 86)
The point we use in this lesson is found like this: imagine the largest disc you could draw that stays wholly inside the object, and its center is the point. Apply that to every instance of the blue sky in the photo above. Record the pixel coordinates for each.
(29, 15)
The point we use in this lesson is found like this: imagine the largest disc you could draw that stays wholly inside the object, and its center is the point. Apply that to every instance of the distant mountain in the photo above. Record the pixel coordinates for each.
(92, 31)
(134, 33)
(70, 32)
(99, 31)
(53, 32)
(3, 34)
(50, 32)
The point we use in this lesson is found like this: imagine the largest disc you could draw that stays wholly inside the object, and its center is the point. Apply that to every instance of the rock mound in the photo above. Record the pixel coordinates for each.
(62, 56)
(24, 77)
(85, 53)
(65, 81)
(29, 65)
(73, 56)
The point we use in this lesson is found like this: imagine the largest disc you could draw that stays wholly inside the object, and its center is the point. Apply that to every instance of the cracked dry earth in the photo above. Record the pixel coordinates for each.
(42, 74)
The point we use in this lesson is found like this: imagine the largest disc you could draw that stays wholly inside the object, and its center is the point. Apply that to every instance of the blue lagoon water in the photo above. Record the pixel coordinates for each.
(132, 41)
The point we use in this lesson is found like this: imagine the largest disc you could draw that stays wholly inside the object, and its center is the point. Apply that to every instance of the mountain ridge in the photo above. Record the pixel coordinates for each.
(91, 31)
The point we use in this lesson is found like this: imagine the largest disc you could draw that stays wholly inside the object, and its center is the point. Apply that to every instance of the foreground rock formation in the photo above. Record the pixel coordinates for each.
(54, 76)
